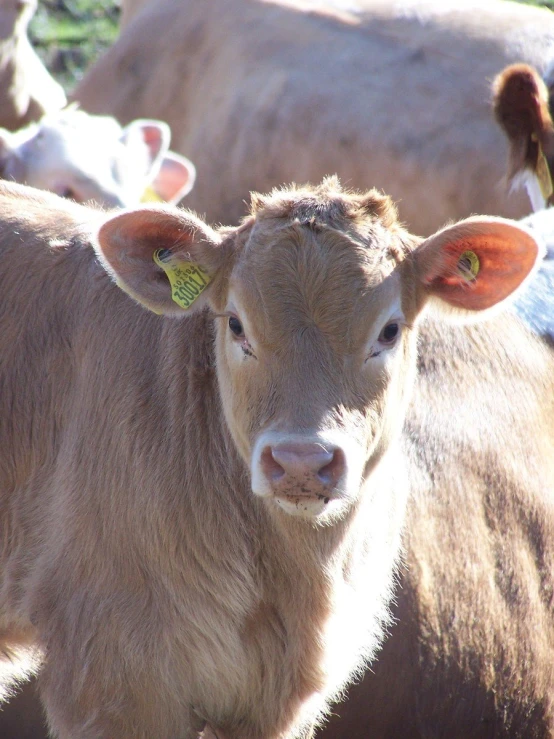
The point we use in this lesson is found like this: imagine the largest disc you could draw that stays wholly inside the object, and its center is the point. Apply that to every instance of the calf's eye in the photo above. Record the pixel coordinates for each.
(390, 333)
(236, 326)
(68, 193)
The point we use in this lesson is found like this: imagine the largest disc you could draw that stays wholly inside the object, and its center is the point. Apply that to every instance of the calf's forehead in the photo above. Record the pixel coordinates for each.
(295, 276)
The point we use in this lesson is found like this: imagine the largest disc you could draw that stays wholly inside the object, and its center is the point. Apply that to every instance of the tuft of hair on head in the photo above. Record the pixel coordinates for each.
(327, 204)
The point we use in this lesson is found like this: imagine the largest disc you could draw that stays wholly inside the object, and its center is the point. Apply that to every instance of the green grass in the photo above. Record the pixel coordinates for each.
(70, 34)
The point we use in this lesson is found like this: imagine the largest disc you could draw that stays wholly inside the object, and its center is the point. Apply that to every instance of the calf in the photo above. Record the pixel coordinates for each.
(88, 157)
(201, 517)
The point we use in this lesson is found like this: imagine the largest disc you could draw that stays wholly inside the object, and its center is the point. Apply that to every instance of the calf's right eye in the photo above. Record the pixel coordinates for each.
(236, 326)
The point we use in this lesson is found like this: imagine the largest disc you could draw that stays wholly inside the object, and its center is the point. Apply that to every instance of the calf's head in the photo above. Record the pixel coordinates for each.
(316, 299)
(89, 157)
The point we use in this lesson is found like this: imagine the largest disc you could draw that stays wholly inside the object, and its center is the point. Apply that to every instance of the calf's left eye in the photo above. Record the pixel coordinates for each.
(236, 326)
(390, 333)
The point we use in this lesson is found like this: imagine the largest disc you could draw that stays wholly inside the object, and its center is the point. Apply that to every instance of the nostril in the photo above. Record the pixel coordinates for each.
(331, 473)
(270, 467)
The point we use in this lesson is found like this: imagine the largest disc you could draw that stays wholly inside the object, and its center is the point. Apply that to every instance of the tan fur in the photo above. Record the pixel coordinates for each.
(472, 653)
(27, 91)
(388, 95)
(162, 592)
(129, 9)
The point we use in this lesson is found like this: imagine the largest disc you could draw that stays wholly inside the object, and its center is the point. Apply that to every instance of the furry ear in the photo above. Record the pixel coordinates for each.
(521, 108)
(152, 137)
(165, 259)
(477, 263)
(174, 180)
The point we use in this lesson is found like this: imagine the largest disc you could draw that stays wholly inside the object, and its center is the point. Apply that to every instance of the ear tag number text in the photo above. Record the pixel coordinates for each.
(188, 281)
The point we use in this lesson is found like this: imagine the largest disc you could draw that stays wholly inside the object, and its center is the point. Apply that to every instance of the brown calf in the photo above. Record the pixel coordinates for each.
(201, 517)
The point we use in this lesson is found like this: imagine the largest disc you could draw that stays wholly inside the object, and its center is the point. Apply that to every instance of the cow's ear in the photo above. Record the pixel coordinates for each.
(521, 108)
(174, 180)
(476, 264)
(151, 137)
(166, 259)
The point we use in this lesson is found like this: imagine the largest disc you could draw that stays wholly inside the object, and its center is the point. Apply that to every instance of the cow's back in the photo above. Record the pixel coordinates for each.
(259, 93)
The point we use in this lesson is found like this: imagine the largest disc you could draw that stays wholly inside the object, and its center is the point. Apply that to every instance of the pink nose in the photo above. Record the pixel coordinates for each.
(312, 467)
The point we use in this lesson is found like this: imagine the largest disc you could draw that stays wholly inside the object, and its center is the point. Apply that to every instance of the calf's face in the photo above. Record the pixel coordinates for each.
(316, 299)
(313, 344)
(86, 157)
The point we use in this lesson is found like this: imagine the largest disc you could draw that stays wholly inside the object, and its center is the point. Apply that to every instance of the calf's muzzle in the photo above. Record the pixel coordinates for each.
(301, 468)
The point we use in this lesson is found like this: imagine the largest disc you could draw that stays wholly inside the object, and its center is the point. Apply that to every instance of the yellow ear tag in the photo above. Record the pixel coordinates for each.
(188, 281)
(150, 196)
(543, 175)
(468, 265)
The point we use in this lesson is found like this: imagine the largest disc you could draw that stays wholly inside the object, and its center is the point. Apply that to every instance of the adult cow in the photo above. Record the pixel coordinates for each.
(27, 91)
(201, 517)
(393, 95)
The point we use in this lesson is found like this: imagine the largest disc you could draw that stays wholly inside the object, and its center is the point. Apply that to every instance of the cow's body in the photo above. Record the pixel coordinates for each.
(389, 95)
(161, 590)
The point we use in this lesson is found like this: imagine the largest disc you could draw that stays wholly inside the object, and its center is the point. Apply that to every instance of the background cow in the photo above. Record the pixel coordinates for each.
(263, 92)
(87, 157)
(163, 554)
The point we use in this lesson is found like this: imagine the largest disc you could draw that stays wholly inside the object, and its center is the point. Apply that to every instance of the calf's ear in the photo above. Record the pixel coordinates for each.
(165, 259)
(152, 137)
(174, 180)
(476, 264)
